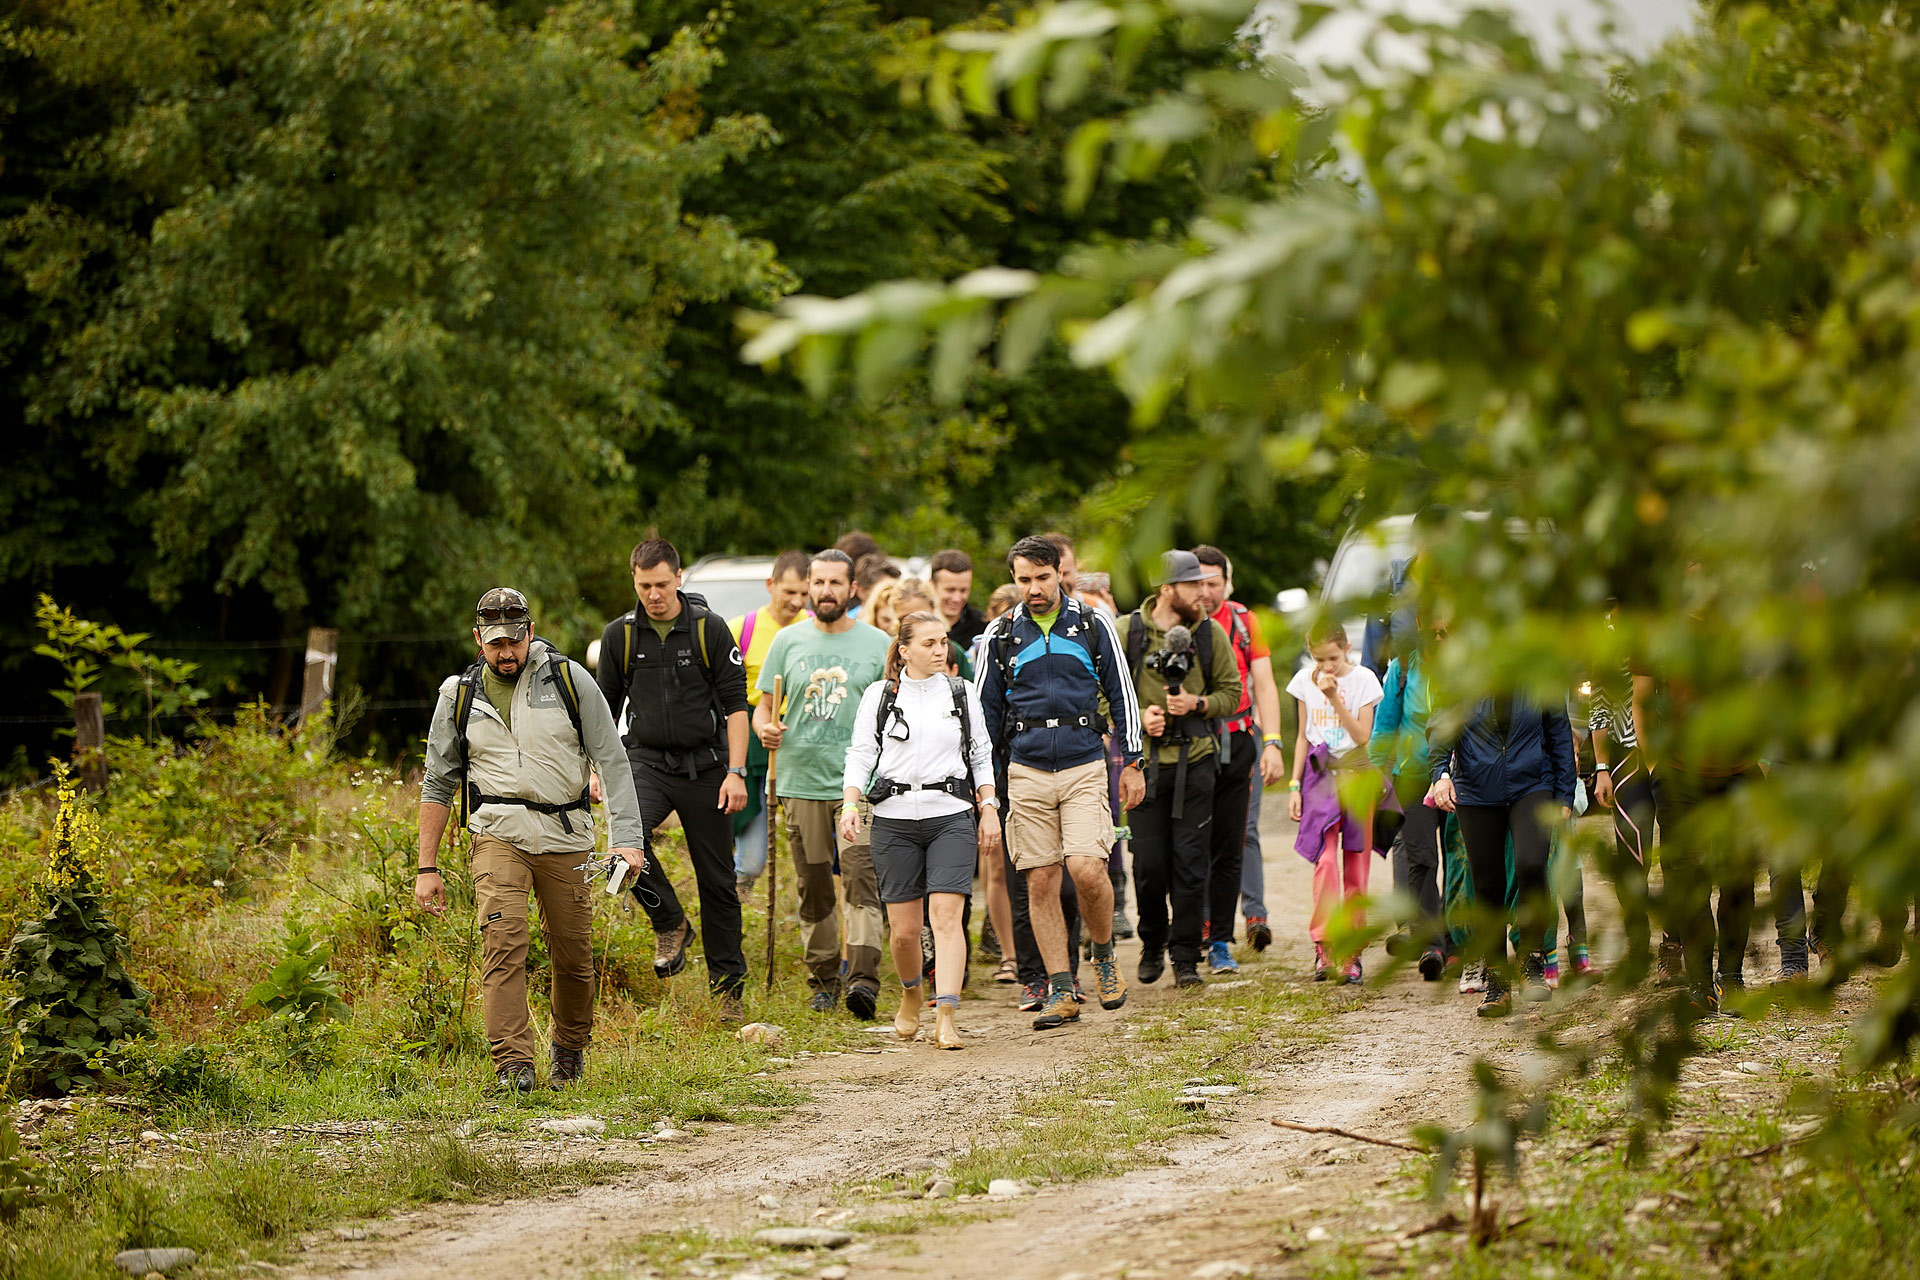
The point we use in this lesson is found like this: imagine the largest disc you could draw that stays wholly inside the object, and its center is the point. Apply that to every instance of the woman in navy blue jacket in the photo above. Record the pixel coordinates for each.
(1510, 773)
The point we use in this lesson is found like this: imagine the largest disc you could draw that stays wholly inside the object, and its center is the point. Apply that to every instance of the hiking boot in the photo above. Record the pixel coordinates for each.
(1186, 975)
(732, 1012)
(515, 1077)
(1032, 996)
(825, 1000)
(743, 886)
(1498, 1001)
(1107, 980)
(1734, 986)
(1220, 958)
(1122, 927)
(1153, 963)
(1672, 965)
(906, 1023)
(989, 944)
(946, 1029)
(1433, 963)
(1473, 979)
(1793, 961)
(670, 950)
(566, 1066)
(862, 999)
(1533, 984)
(1353, 976)
(1322, 967)
(1259, 936)
(1060, 1009)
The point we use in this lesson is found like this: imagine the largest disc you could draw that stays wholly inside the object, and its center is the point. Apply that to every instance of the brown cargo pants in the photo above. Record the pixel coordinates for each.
(504, 875)
(813, 839)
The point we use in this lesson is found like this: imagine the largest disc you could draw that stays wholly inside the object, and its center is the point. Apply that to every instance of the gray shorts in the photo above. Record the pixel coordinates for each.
(913, 857)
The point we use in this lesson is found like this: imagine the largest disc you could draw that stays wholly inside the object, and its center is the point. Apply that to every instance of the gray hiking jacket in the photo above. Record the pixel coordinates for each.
(539, 758)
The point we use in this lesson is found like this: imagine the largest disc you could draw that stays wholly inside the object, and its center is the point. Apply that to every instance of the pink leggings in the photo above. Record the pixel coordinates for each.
(1335, 865)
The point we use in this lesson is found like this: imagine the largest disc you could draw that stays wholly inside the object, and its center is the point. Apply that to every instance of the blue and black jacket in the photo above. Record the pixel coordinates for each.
(1510, 748)
(1041, 692)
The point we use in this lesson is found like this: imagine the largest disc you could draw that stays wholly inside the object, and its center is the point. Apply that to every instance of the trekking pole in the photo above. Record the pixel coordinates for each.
(773, 833)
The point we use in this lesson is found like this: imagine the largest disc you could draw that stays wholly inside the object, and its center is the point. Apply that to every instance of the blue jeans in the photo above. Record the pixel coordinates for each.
(750, 848)
(1253, 876)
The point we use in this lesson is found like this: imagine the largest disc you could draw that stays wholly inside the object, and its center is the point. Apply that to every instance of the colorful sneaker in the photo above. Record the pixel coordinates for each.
(1259, 936)
(1108, 982)
(1473, 979)
(1032, 996)
(1582, 963)
(1060, 1008)
(1322, 967)
(1353, 977)
(1220, 958)
(1550, 971)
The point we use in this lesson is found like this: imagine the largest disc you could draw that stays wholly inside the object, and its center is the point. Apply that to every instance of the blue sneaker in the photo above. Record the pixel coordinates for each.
(1220, 958)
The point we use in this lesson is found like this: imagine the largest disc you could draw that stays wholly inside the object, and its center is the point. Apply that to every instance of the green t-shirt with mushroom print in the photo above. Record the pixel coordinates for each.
(822, 677)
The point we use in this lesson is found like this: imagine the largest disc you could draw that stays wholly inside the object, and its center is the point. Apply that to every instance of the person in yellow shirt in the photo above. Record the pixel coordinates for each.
(786, 603)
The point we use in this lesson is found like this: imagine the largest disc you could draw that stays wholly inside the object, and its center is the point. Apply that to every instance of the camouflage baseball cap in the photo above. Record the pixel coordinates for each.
(502, 614)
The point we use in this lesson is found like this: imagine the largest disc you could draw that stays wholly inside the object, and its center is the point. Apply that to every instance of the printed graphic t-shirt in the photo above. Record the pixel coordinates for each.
(1360, 689)
(822, 677)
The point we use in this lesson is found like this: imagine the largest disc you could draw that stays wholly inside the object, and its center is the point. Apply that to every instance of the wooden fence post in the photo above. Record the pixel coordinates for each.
(323, 653)
(89, 742)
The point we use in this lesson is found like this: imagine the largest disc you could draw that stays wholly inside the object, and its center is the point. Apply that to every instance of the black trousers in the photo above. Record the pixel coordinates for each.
(1170, 860)
(1416, 857)
(1697, 858)
(1227, 843)
(1026, 952)
(709, 835)
(1484, 829)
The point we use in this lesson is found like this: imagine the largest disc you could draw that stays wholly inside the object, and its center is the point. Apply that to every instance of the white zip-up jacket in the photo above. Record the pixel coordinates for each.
(539, 758)
(929, 754)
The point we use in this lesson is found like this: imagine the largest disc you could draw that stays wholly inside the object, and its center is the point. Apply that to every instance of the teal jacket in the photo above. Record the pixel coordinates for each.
(1399, 741)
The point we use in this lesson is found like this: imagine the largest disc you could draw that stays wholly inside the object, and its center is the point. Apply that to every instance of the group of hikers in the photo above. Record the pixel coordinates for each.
(921, 750)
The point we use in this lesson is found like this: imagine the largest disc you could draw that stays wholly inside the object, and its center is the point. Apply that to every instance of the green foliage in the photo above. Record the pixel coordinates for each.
(1661, 314)
(306, 301)
(79, 646)
(74, 1001)
(22, 1179)
(300, 981)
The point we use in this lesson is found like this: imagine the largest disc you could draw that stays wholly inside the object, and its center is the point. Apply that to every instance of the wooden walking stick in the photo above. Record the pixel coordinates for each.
(773, 831)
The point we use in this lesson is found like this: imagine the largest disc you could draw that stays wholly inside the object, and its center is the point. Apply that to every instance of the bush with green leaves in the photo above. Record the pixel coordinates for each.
(1662, 312)
(74, 1002)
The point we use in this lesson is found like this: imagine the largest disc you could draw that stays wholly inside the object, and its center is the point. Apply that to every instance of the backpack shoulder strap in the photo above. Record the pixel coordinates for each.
(562, 675)
(1242, 633)
(463, 695)
(1136, 643)
(889, 695)
(746, 632)
(958, 688)
(702, 618)
(1204, 643)
(626, 644)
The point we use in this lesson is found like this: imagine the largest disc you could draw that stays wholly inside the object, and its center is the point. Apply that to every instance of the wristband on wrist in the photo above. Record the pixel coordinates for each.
(1271, 740)
(1598, 765)
(426, 871)
(1294, 785)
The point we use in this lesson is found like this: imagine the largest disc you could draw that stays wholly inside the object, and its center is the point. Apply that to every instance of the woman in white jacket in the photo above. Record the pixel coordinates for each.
(920, 752)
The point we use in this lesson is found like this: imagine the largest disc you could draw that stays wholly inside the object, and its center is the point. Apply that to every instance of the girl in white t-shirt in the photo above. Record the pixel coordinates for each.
(1336, 699)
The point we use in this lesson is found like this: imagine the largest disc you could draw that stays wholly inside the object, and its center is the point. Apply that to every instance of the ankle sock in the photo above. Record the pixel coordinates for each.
(905, 985)
(948, 1002)
(1060, 982)
(1103, 950)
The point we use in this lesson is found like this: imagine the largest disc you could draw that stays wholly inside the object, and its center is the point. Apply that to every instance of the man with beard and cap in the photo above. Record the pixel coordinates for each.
(824, 663)
(515, 740)
(1173, 649)
(673, 665)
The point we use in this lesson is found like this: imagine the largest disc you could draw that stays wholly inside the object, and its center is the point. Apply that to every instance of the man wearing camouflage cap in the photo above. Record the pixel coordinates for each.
(514, 739)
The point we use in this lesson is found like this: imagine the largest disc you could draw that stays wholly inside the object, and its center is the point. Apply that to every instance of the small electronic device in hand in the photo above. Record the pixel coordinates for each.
(616, 875)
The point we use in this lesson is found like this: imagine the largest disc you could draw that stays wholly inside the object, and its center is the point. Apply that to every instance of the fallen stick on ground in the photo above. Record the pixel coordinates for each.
(1348, 1133)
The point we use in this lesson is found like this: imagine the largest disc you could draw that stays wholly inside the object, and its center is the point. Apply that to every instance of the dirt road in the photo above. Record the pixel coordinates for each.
(1397, 1058)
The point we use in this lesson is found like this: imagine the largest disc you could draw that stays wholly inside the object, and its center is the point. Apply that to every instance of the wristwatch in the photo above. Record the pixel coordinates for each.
(737, 770)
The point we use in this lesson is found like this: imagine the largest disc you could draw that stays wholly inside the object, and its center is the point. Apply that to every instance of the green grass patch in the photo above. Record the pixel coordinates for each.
(251, 1201)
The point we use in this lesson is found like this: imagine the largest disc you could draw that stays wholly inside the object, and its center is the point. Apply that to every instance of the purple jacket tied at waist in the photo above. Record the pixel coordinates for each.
(1320, 809)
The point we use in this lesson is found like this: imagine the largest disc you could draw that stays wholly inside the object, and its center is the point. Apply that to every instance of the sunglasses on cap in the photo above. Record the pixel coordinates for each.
(503, 613)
